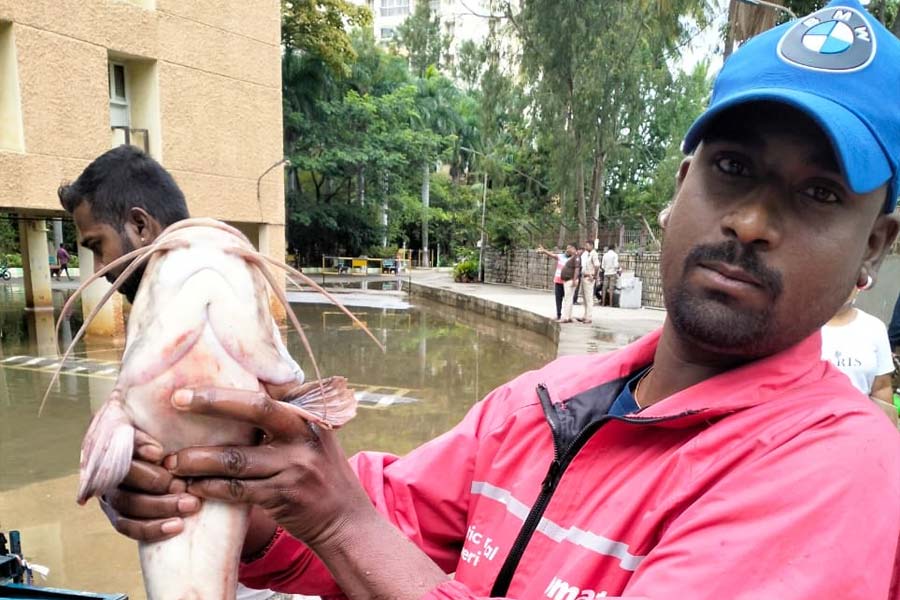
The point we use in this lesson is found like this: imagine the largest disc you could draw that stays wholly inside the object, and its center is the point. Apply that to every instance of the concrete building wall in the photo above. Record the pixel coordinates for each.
(204, 79)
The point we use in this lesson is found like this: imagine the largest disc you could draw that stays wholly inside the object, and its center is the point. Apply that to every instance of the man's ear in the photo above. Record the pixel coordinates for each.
(882, 236)
(146, 227)
(682, 172)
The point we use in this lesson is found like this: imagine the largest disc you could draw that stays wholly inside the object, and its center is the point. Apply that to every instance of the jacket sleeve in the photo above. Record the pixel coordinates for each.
(809, 519)
(425, 494)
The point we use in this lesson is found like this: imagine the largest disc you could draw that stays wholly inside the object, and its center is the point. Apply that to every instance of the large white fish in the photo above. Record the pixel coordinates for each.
(201, 317)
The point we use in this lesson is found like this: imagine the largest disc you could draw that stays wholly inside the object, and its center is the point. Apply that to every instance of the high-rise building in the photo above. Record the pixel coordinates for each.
(462, 19)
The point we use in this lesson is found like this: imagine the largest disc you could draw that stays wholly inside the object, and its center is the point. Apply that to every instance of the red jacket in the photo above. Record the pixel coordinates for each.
(776, 480)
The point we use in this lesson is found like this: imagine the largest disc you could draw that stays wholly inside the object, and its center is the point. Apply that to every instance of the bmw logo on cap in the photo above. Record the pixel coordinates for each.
(834, 39)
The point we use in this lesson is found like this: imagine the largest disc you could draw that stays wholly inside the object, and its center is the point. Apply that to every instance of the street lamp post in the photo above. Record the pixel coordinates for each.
(771, 5)
(481, 244)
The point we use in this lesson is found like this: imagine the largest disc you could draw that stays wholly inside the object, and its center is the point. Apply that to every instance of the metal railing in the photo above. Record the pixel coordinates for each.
(133, 137)
(363, 265)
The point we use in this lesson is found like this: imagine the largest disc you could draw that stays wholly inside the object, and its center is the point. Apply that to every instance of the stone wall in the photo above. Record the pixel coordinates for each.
(531, 269)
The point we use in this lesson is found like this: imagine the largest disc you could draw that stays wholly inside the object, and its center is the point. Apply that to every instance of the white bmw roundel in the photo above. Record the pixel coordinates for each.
(837, 39)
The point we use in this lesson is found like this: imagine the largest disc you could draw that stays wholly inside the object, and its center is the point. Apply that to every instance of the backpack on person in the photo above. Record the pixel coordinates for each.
(568, 271)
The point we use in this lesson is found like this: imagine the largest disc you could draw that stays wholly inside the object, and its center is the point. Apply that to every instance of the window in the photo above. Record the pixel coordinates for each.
(134, 103)
(119, 115)
(387, 33)
(434, 5)
(392, 8)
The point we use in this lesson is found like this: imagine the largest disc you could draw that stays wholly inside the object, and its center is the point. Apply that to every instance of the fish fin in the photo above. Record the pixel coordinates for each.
(106, 450)
(328, 402)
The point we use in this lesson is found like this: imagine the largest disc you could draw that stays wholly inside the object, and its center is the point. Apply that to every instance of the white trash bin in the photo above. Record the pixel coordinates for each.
(630, 288)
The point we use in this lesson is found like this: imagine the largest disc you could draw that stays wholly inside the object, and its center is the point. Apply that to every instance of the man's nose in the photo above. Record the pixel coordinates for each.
(757, 219)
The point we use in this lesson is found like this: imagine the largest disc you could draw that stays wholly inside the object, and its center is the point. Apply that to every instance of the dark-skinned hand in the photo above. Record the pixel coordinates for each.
(149, 504)
(298, 475)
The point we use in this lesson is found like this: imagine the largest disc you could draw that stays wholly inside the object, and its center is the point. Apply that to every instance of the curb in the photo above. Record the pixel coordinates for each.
(488, 308)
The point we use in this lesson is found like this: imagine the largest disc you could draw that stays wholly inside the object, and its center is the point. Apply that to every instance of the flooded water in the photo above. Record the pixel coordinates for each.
(438, 363)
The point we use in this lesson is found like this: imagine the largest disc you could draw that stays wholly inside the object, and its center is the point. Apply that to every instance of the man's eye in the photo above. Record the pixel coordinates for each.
(732, 166)
(821, 194)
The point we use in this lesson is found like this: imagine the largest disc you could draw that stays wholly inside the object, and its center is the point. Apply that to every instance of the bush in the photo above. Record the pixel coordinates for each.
(14, 260)
(383, 251)
(466, 271)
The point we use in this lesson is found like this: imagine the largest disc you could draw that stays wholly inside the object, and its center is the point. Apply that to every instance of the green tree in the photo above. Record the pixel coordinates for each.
(319, 28)
(421, 36)
(595, 65)
(645, 182)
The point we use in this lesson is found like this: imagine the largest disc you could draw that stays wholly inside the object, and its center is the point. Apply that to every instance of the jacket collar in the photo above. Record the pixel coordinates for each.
(746, 386)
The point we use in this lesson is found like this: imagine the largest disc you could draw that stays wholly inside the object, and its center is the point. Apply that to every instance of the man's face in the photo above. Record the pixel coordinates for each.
(765, 239)
(107, 243)
(570, 250)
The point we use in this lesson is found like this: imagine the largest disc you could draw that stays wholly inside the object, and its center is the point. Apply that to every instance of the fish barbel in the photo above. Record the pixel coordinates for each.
(201, 318)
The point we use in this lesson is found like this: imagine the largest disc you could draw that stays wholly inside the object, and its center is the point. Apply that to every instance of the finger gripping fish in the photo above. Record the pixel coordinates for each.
(201, 317)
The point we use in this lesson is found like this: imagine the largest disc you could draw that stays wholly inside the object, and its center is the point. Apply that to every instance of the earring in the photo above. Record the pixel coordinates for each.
(869, 282)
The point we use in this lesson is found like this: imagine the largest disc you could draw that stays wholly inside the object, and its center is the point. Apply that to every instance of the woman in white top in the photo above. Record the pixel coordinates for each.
(857, 344)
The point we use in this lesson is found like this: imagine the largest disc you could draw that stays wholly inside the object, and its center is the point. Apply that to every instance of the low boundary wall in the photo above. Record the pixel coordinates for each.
(508, 314)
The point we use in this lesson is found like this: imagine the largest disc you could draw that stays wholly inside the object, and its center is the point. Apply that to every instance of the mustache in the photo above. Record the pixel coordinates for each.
(738, 255)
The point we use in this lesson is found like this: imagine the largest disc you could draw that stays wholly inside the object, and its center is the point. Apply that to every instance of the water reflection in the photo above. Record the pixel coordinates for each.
(444, 359)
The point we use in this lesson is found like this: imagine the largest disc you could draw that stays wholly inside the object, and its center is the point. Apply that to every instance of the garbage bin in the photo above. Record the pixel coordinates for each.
(630, 288)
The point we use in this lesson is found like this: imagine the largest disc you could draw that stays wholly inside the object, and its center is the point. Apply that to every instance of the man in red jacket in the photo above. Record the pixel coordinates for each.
(716, 458)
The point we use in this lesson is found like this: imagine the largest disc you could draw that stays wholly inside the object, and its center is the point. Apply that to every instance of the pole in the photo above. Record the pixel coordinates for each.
(259, 182)
(773, 6)
(481, 246)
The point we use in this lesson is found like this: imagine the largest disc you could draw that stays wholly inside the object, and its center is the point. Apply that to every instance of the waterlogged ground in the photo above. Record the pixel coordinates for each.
(438, 363)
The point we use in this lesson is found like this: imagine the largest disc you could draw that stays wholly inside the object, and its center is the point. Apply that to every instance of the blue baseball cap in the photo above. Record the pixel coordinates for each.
(841, 67)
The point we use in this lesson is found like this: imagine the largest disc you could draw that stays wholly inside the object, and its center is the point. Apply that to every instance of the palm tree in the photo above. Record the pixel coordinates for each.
(435, 103)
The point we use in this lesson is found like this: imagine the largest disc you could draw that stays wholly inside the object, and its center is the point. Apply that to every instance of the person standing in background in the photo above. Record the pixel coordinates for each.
(570, 274)
(590, 265)
(62, 259)
(610, 266)
(857, 344)
(559, 284)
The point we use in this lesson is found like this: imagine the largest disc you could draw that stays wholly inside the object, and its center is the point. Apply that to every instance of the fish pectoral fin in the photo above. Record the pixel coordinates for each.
(327, 402)
(106, 450)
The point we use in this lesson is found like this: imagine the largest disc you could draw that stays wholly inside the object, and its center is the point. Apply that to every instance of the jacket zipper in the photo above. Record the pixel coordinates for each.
(561, 459)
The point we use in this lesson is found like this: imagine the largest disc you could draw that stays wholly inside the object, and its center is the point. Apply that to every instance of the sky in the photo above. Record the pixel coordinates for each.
(708, 43)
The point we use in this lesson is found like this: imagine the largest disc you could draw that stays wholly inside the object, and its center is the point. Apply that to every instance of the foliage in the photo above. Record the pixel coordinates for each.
(885, 11)
(642, 184)
(9, 234)
(567, 110)
(466, 270)
(420, 35)
(318, 28)
(596, 65)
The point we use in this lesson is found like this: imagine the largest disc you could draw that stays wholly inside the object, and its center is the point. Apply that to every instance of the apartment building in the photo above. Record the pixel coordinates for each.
(462, 19)
(195, 84)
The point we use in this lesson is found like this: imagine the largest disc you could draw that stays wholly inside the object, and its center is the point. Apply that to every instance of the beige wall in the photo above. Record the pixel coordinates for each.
(209, 87)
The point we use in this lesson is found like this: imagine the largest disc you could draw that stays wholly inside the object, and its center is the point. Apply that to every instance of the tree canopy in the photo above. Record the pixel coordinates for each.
(570, 111)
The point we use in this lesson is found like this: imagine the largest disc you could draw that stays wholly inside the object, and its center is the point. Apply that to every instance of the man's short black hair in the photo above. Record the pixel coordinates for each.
(612, 246)
(121, 179)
